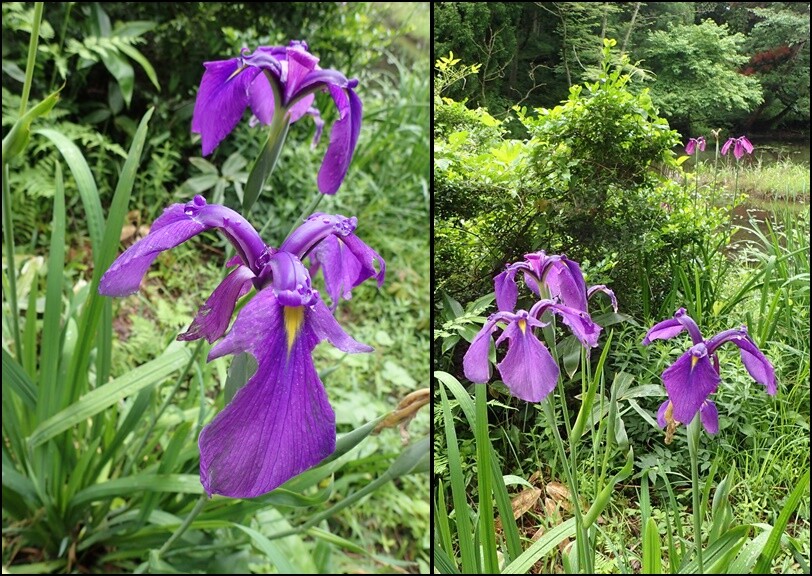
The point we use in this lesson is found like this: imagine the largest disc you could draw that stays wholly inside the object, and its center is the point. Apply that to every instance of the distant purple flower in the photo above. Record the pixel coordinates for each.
(528, 369)
(280, 423)
(562, 276)
(691, 380)
(230, 86)
(741, 145)
(695, 143)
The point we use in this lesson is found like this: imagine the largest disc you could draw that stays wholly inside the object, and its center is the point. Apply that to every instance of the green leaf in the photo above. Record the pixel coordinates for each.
(51, 330)
(652, 560)
(105, 396)
(774, 542)
(176, 483)
(272, 552)
(17, 138)
(121, 70)
(77, 369)
(84, 182)
(134, 54)
(541, 547)
(18, 381)
(266, 161)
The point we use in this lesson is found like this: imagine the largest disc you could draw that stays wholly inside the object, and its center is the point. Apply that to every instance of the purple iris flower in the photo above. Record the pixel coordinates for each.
(562, 276)
(741, 145)
(280, 423)
(691, 380)
(695, 143)
(291, 74)
(528, 369)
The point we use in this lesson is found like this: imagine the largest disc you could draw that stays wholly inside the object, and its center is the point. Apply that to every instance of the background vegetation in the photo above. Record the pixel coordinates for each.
(126, 478)
(560, 127)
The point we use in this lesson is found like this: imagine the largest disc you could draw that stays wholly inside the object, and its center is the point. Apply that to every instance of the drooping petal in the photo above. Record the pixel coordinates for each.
(671, 327)
(343, 138)
(280, 423)
(314, 113)
(475, 363)
(173, 228)
(212, 319)
(527, 369)
(221, 100)
(746, 145)
(316, 228)
(709, 416)
(178, 223)
(601, 288)
(701, 143)
(327, 328)
(504, 284)
(661, 421)
(690, 146)
(753, 359)
(726, 146)
(566, 282)
(579, 323)
(663, 331)
(689, 382)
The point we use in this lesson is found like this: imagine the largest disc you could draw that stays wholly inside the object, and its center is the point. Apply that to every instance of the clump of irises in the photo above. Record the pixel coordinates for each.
(280, 422)
(528, 369)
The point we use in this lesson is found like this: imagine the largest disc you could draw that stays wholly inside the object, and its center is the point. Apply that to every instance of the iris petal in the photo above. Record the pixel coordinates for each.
(212, 319)
(221, 101)
(689, 381)
(528, 369)
(280, 423)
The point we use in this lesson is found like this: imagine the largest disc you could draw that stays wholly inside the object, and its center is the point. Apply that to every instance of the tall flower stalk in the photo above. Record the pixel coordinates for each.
(695, 146)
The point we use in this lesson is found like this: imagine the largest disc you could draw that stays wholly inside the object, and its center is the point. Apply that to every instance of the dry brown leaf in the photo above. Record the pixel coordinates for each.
(127, 232)
(521, 503)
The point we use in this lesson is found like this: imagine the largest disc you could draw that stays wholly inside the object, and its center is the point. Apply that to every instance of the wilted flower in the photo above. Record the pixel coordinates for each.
(741, 145)
(280, 423)
(528, 369)
(278, 80)
(691, 380)
(562, 276)
(695, 143)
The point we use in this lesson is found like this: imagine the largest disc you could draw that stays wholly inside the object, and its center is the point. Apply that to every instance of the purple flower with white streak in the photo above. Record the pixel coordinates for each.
(279, 80)
(741, 145)
(695, 143)
(528, 369)
(562, 276)
(691, 380)
(280, 423)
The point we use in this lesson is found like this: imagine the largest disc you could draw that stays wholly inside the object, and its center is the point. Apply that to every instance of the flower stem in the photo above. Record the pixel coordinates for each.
(185, 525)
(11, 270)
(694, 430)
(582, 541)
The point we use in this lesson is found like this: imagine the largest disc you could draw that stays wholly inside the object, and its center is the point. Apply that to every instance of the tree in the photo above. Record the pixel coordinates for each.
(698, 80)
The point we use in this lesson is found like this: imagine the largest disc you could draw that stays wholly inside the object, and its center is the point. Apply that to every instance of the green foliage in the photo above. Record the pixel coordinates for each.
(698, 78)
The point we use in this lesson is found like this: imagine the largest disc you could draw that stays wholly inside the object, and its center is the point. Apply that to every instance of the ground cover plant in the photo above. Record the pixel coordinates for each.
(124, 449)
(663, 428)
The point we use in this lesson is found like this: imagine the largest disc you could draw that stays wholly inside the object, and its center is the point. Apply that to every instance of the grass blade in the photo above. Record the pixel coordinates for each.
(465, 532)
(541, 547)
(18, 381)
(105, 396)
(483, 449)
(51, 331)
(774, 541)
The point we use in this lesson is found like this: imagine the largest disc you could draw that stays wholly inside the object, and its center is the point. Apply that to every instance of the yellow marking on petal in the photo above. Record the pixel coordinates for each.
(294, 318)
(523, 325)
(694, 360)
